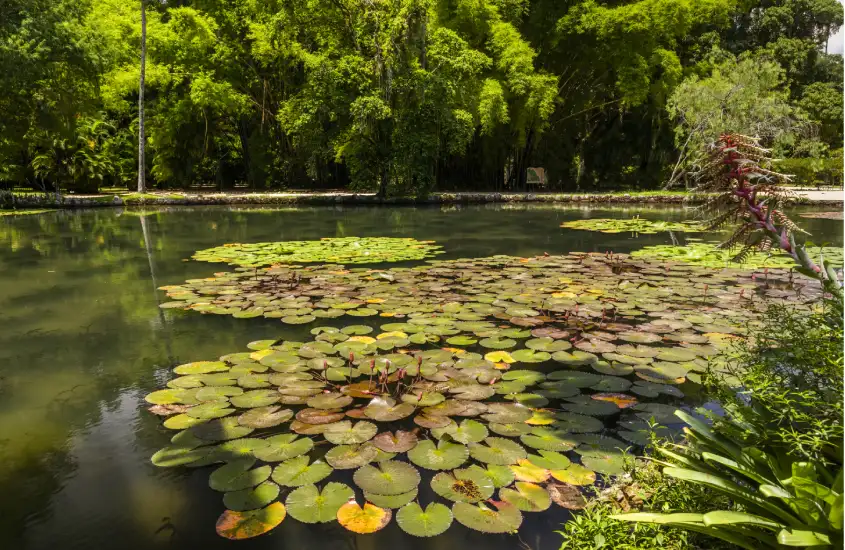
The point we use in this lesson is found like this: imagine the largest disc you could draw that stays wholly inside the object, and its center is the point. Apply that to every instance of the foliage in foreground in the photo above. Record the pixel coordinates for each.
(778, 452)
(645, 485)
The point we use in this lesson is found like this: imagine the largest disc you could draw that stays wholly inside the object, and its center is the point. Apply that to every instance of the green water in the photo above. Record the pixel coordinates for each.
(82, 340)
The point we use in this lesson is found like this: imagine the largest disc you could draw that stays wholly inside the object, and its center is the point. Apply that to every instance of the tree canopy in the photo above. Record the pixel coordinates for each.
(398, 96)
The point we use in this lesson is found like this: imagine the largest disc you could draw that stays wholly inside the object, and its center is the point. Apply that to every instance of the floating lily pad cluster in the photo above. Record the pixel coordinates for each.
(494, 439)
(528, 292)
(347, 250)
(710, 255)
(502, 383)
(632, 225)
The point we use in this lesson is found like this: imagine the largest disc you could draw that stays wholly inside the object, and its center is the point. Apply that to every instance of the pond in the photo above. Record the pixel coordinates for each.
(83, 340)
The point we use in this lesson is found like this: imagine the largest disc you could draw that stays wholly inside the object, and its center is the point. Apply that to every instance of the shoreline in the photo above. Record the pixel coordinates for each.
(369, 199)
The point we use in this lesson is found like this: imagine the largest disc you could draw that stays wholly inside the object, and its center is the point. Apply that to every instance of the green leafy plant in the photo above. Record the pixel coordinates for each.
(780, 501)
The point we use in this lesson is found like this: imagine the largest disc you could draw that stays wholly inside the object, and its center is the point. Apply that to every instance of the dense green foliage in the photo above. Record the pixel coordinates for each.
(644, 486)
(404, 96)
(777, 452)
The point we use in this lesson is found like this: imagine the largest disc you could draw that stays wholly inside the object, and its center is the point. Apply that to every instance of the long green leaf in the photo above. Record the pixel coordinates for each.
(654, 517)
(687, 461)
(733, 465)
(837, 510)
(803, 538)
(734, 538)
(727, 517)
(734, 490)
(704, 430)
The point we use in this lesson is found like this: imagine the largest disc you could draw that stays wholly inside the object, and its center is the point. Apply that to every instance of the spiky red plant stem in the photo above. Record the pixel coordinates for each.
(761, 214)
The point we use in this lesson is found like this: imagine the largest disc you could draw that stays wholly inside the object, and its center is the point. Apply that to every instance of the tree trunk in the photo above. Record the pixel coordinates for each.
(142, 182)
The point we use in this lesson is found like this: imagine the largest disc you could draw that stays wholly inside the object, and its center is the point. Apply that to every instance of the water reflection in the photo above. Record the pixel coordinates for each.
(82, 340)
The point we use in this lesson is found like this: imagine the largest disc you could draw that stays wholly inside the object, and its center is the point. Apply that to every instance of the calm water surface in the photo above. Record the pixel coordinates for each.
(82, 340)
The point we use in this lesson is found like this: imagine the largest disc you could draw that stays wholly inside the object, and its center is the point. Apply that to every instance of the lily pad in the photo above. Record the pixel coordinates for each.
(387, 478)
(575, 474)
(492, 517)
(332, 400)
(255, 398)
(284, 447)
(346, 457)
(296, 471)
(221, 429)
(444, 456)
(528, 497)
(550, 460)
(433, 521)
(525, 470)
(391, 501)
(466, 485)
(497, 450)
(363, 520)
(548, 439)
(237, 475)
(251, 498)
(243, 525)
(604, 461)
(264, 417)
(309, 504)
(346, 433)
(398, 442)
(469, 431)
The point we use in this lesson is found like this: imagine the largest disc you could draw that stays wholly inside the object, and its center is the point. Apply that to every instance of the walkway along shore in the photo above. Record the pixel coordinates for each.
(34, 200)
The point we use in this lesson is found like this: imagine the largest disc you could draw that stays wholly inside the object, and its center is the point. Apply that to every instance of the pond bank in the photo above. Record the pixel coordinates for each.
(287, 199)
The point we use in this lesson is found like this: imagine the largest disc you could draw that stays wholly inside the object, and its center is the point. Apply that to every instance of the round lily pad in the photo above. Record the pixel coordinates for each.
(510, 430)
(345, 457)
(398, 442)
(604, 461)
(577, 423)
(444, 456)
(283, 447)
(387, 478)
(525, 470)
(466, 485)
(575, 474)
(251, 498)
(237, 475)
(255, 398)
(297, 471)
(550, 460)
(574, 378)
(528, 497)
(170, 457)
(497, 450)
(363, 520)
(320, 416)
(221, 429)
(493, 517)
(264, 417)
(420, 398)
(332, 400)
(469, 431)
(548, 439)
(527, 377)
(309, 504)
(433, 521)
(346, 433)
(243, 525)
